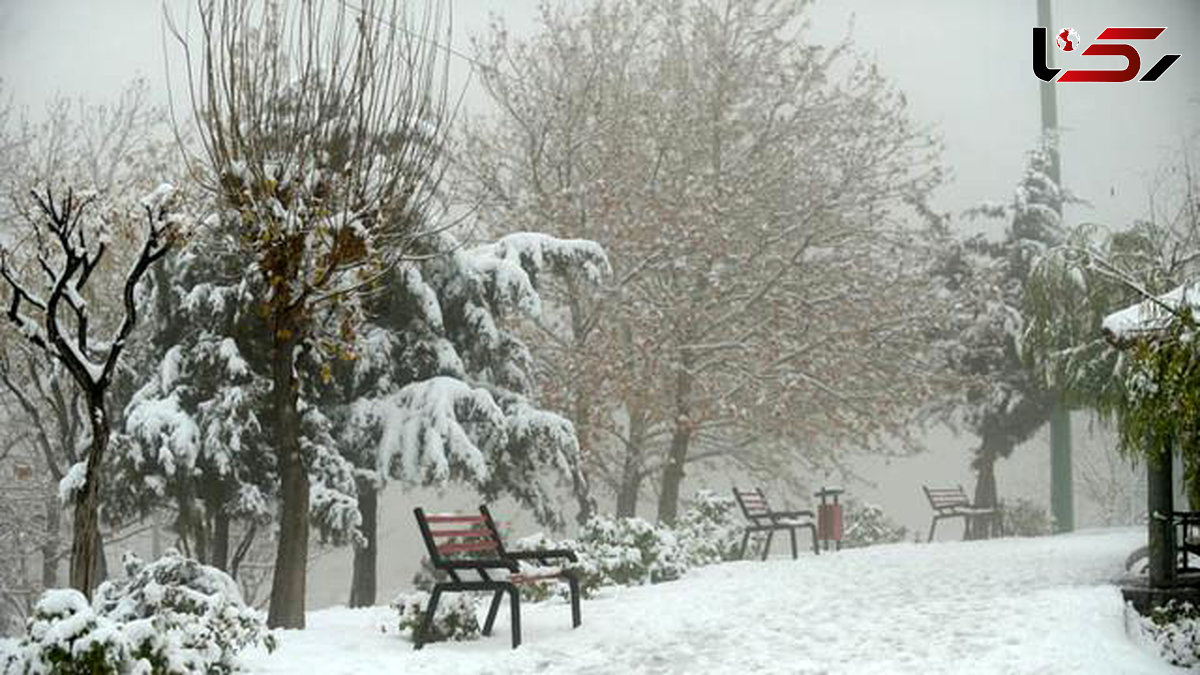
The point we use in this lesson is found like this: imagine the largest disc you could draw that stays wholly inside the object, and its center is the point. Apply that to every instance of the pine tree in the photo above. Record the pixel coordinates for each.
(1002, 399)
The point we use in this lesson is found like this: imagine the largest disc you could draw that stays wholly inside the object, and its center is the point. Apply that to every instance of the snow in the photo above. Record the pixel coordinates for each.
(429, 425)
(1150, 316)
(1045, 605)
(158, 198)
(72, 482)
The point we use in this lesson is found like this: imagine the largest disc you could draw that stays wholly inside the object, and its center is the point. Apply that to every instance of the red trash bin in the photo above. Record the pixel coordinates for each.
(829, 517)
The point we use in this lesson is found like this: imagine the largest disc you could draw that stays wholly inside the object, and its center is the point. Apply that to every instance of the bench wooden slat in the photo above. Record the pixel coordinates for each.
(465, 546)
(474, 532)
(452, 518)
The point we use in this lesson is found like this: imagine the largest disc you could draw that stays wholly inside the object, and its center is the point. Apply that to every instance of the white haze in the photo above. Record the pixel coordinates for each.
(965, 67)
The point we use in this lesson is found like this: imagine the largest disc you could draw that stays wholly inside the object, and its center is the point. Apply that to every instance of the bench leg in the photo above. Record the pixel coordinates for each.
(816, 544)
(767, 547)
(932, 528)
(492, 610)
(515, 595)
(576, 619)
(745, 543)
(427, 622)
(792, 531)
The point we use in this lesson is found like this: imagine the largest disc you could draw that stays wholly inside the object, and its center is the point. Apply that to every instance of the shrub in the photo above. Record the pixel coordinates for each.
(456, 617)
(630, 552)
(66, 637)
(868, 525)
(167, 617)
(427, 576)
(1024, 518)
(584, 568)
(1174, 631)
(710, 529)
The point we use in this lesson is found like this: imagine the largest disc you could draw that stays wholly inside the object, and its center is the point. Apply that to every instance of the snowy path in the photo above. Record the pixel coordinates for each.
(1008, 606)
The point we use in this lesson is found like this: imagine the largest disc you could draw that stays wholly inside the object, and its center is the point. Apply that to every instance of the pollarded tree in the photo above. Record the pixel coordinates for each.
(727, 165)
(47, 273)
(329, 189)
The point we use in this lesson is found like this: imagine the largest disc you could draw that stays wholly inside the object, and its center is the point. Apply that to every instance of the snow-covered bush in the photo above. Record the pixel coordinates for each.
(710, 530)
(867, 525)
(172, 616)
(1024, 518)
(428, 575)
(630, 552)
(1174, 631)
(584, 568)
(199, 608)
(456, 617)
(65, 636)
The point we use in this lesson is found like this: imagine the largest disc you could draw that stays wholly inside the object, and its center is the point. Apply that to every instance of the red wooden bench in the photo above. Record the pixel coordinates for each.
(762, 519)
(467, 547)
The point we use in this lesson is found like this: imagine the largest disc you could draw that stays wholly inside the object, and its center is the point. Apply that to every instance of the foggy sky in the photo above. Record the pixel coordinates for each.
(965, 67)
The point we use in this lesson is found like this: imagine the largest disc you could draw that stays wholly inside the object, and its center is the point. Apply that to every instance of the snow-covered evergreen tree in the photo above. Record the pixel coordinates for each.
(1001, 399)
(434, 389)
(439, 387)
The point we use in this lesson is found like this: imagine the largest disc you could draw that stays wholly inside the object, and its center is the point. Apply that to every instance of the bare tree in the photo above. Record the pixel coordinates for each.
(114, 149)
(320, 130)
(752, 190)
(46, 275)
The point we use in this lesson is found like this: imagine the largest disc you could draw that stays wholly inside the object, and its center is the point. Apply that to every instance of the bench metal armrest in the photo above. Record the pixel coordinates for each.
(544, 554)
(776, 515)
(481, 564)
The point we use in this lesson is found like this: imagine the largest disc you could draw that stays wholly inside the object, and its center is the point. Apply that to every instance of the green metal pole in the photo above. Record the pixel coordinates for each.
(1062, 488)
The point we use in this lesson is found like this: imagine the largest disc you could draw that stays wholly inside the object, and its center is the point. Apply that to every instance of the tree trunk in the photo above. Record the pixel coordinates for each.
(200, 539)
(362, 585)
(681, 438)
(220, 543)
(291, 553)
(631, 471)
(985, 491)
(583, 495)
(581, 407)
(50, 546)
(985, 479)
(100, 562)
(579, 486)
(85, 544)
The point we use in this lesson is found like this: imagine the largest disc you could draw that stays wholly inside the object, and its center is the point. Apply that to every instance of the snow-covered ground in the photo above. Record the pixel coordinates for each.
(1044, 605)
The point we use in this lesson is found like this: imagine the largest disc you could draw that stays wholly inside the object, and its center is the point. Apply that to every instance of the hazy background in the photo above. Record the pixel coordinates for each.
(965, 68)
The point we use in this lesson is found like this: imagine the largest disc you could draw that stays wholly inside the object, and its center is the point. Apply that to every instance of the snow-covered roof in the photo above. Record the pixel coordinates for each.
(1150, 316)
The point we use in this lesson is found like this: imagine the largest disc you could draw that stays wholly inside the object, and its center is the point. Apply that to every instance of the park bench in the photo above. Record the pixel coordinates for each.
(761, 518)
(954, 503)
(468, 549)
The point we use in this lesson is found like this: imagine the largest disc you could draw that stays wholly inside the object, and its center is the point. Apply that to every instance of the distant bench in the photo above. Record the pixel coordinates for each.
(954, 503)
(762, 518)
